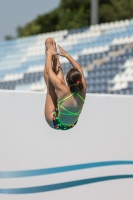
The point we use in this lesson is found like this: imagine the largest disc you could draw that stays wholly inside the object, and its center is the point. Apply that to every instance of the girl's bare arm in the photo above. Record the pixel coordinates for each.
(74, 64)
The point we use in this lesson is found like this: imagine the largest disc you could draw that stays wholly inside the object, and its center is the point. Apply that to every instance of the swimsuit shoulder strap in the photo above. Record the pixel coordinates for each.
(80, 97)
(69, 113)
(70, 96)
(66, 98)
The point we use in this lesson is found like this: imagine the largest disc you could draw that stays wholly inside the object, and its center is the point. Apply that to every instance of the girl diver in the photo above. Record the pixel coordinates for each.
(63, 102)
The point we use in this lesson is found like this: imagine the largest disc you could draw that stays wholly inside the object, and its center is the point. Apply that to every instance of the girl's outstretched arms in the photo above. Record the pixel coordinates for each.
(73, 63)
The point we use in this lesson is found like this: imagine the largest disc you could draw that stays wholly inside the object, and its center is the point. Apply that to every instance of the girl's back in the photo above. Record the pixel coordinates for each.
(70, 106)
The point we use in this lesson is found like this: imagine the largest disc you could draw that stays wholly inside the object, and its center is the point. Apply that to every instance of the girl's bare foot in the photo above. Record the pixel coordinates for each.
(48, 43)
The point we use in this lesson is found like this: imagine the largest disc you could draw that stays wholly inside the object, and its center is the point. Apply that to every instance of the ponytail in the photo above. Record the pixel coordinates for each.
(74, 79)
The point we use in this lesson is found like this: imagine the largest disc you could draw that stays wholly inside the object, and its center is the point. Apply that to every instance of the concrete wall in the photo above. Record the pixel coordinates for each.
(94, 160)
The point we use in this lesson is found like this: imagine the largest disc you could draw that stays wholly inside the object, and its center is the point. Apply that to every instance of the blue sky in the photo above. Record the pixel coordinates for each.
(19, 12)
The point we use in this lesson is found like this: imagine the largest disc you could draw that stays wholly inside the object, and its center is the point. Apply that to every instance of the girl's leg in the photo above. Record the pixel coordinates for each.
(56, 62)
(50, 103)
(51, 98)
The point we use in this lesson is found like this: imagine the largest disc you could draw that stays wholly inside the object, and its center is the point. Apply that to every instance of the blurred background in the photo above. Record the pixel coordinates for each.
(97, 33)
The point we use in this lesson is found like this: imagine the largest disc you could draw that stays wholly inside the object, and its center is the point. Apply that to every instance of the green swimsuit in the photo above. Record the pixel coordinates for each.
(58, 125)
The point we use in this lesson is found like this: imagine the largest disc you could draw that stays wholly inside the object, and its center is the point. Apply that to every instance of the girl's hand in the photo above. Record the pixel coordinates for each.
(52, 50)
(63, 52)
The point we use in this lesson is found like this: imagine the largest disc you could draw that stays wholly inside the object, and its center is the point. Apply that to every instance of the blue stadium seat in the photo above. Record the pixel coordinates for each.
(94, 49)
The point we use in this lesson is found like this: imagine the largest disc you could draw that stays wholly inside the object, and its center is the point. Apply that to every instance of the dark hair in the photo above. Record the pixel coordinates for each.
(74, 79)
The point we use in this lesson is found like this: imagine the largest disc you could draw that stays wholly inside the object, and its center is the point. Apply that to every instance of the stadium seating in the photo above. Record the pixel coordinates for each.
(105, 52)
